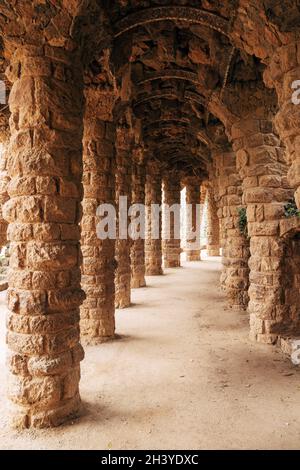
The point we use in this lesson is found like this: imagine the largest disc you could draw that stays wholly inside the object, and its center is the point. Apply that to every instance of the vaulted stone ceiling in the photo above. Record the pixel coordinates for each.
(179, 56)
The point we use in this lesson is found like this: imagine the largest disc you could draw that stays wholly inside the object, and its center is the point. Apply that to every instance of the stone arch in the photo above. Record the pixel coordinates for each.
(263, 172)
(272, 36)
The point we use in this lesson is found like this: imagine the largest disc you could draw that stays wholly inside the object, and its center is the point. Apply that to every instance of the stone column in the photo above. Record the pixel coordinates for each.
(124, 147)
(192, 219)
(171, 239)
(153, 246)
(261, 165)
(4, 181)
(235, 245)
(98, 269)
(213, 226)
(138, 197)
(203, 192)
(44, 295)
(283, 73)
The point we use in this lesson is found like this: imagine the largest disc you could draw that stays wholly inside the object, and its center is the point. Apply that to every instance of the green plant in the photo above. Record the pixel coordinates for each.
(242, 212)
(291, 210)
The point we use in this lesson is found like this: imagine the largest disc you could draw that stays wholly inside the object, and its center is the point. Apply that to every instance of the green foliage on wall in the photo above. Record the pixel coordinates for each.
(242, 212)
(291, 210)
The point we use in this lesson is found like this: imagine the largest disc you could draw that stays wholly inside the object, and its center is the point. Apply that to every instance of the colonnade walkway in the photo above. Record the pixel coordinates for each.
(183, 374)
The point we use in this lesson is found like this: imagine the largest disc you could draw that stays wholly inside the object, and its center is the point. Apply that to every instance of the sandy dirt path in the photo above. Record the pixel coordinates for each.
(183, 376)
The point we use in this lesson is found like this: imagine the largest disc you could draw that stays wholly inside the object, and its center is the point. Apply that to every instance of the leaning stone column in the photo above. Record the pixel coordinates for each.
(171, 240)
(193, 219)
(4, 181)
(260, 161)
(283, 73)
(124, 147)
(213, 226)
(203, 222)
(45, 167)
(203, 192)
(153, 246)
(138, 197)
(98, 268)
(235, 245)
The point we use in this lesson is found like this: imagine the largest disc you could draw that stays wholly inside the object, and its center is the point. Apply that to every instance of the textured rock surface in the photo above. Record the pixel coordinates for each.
(193, 219)
(124, 149)
(45, 166)
(261, 165)
(213, 225)
(138, 197)
(153, 246)
(4, 181)
(203, 195)
(235, 245)
(98, 268)
(171, 229)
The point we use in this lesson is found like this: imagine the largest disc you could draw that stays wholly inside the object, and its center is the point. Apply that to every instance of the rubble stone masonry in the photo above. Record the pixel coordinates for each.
(98, 268)
(45, 166)
(153, 246)
(171, 244)
(138, 197)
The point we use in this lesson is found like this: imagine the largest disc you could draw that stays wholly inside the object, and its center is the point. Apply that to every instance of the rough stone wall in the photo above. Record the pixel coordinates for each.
(4, 181)
(45, 166)
(4, 267)
(213, 225)
(153, 247)
(262, 168)
(291, 287)
(124, 148)
(138, 197)
(171, 245)
(270, 31)
(235, 246)
(283, 70)
(203, 194)
(192, 247)
(98, 268)
(248, 109)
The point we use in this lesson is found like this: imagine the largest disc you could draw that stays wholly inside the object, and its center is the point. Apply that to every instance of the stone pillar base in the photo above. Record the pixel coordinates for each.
(138, 282)
(154, 271)
(193, 255)
(213, 251)
(123, 302)
(172, 264)
(47, 419)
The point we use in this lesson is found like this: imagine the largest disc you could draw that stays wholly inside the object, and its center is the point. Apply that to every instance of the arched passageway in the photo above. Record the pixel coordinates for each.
(122, 104)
